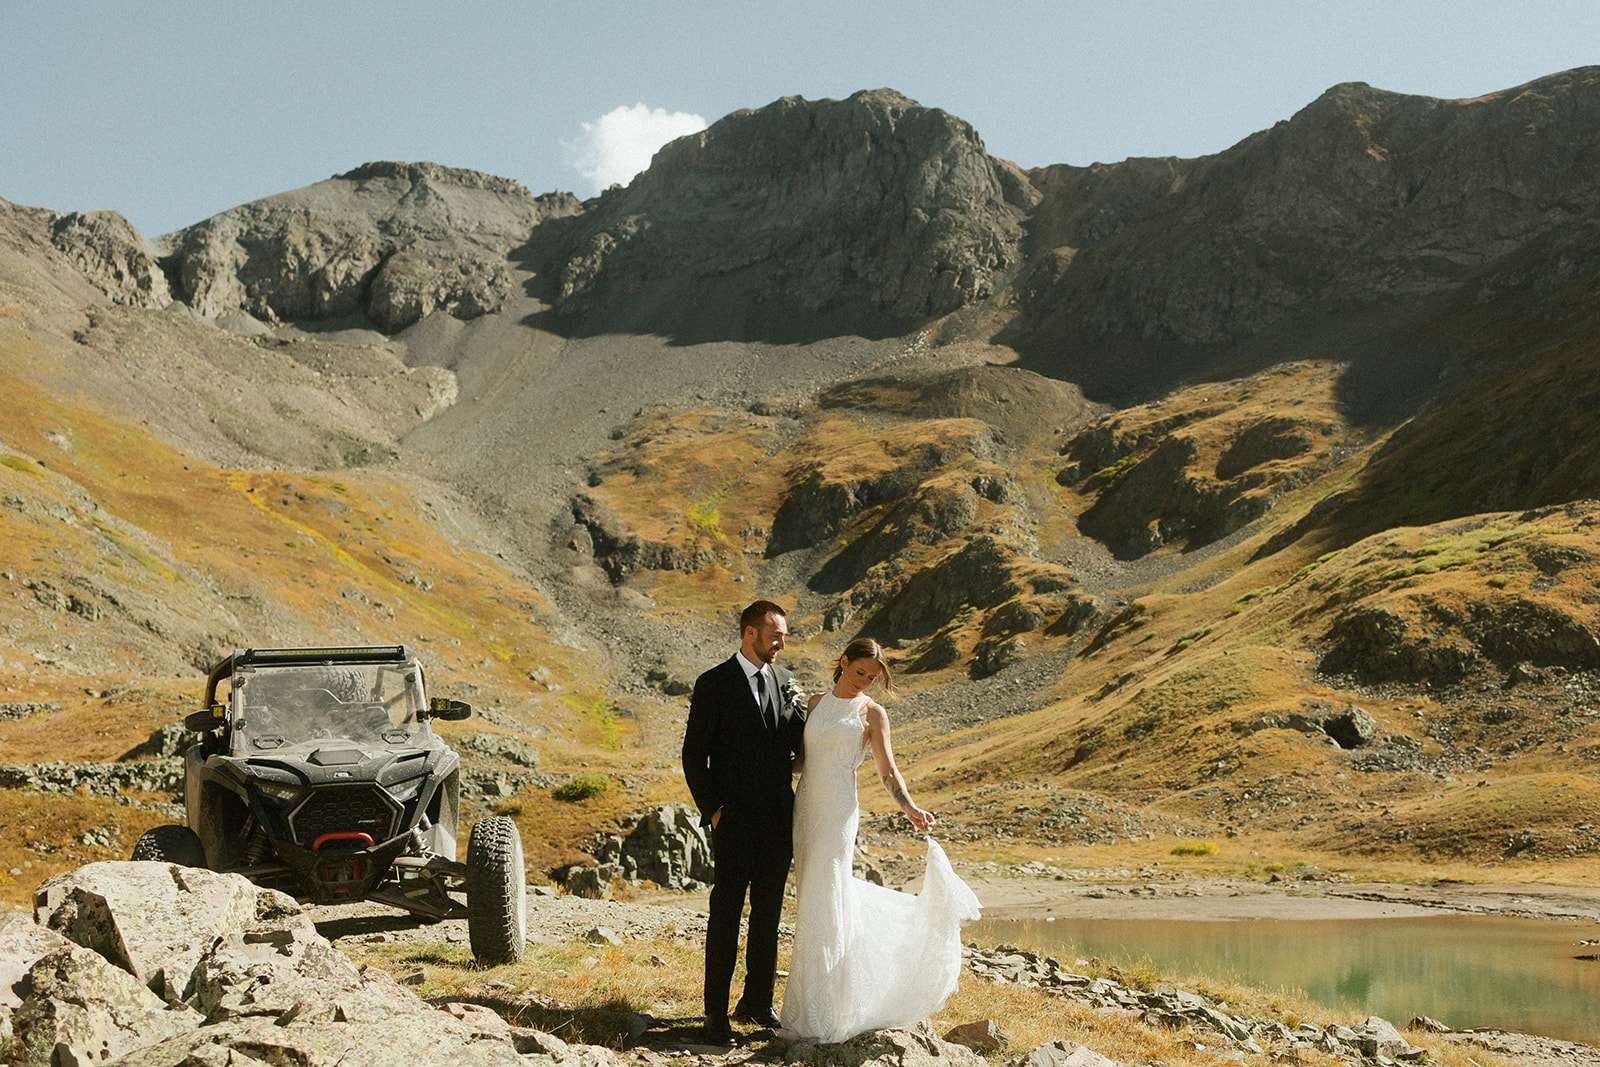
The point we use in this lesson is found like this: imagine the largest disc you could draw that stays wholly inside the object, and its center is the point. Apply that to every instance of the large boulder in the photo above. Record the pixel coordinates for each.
(667, 846)
(892, 1047)
(22, 944)
(81, 1008)
(276, 968)
(155, 920)
(158, 965)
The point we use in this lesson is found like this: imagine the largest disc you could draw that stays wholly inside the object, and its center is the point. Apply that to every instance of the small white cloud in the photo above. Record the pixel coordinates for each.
(619, 144)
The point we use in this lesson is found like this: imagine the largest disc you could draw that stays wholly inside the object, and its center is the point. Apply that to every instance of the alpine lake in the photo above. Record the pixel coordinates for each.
(1533, 976)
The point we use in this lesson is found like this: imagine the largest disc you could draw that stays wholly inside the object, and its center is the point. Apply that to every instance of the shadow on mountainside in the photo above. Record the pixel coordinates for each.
(1390, 371)
(727, 308)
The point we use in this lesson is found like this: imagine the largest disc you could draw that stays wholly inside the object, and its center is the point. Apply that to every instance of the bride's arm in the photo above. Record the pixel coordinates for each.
(798, 764)
(888, 773)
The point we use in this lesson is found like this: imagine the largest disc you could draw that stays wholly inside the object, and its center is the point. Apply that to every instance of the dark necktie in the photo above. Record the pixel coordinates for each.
(767, 718)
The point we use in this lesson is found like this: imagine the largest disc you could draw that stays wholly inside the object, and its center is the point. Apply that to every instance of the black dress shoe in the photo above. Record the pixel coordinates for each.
(720, 1033)
(759, 1016)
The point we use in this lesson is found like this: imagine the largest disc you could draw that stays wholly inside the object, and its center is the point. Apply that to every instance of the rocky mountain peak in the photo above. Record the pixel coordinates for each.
(1344, 226)
(417, 174)
(393, 240)
(868, 214)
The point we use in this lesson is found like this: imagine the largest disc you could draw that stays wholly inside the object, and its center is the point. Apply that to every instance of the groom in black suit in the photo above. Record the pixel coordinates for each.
(738, 749)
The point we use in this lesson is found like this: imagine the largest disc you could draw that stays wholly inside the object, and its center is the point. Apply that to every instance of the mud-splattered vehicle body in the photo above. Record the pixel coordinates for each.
(318, 773)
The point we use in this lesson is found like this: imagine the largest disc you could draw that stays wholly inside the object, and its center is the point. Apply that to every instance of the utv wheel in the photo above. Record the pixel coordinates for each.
(170, 844)
(497, 891)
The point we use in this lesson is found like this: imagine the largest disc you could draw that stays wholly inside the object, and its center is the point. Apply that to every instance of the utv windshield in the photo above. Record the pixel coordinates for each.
(275, 707)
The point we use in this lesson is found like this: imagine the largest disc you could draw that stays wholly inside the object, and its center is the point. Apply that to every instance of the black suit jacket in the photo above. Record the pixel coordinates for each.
(731, 759)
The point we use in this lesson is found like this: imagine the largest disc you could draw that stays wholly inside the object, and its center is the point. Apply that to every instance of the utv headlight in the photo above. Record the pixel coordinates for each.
(406, 790)
(281, 790)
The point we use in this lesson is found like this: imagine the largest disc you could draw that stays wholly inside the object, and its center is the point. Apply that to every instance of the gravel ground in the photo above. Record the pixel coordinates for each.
(553, 918)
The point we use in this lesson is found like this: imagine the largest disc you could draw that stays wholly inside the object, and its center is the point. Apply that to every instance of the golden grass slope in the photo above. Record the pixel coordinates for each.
(1484, 708)
(920, 531)
(134, 562)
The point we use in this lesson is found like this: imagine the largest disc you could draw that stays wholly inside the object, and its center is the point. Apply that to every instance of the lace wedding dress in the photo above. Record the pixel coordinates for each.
(865, 956)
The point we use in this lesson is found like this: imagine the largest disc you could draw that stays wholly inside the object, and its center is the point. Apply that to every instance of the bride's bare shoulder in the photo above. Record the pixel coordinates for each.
(812, 702)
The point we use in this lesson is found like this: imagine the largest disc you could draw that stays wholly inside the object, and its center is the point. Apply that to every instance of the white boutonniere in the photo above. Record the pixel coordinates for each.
(793, 699)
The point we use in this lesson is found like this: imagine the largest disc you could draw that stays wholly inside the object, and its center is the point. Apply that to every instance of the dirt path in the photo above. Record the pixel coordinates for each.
(1205, 898)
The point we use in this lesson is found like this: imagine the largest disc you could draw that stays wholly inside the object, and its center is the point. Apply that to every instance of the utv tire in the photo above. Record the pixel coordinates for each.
(170, 844)
(497, 892)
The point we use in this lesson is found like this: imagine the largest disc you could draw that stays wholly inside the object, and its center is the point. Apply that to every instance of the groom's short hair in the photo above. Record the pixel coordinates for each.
(755, 613)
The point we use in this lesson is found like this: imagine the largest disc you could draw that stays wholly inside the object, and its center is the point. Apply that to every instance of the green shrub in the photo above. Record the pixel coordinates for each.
(17, 463)
(582, 787)
(1108, 478)
(1248, 598)
(1195, 848)
(705, 516)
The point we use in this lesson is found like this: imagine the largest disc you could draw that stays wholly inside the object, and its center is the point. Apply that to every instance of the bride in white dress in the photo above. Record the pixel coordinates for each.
(865, 956)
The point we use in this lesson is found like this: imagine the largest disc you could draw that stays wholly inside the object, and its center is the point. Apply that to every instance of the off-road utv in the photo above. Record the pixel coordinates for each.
(317, 774)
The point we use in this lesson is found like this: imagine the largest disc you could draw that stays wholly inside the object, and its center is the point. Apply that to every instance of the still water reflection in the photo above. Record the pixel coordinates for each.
(1466, 970)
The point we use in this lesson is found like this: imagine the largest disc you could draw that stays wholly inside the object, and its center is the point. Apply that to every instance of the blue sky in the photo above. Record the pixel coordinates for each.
(172, 111)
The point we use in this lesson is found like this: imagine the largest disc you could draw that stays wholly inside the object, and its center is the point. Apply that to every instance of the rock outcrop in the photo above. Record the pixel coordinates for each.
(112, 256)
(667, 847)
(869, 214)
(1347, 726)
(909, 528)
(1521, 606)
(1341, 225)
(153, 964)
(1205, 461)
(395, 241)
(89, 257)
(896, 473)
